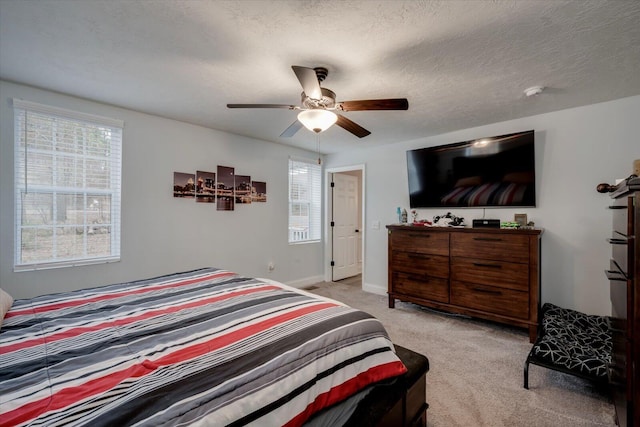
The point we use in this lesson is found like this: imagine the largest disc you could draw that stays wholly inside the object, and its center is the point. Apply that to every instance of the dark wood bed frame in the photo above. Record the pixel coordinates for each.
(399, 403)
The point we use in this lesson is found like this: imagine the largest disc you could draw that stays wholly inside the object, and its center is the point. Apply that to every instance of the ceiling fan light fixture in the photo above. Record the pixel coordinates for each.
(533, 90)
(317, 120)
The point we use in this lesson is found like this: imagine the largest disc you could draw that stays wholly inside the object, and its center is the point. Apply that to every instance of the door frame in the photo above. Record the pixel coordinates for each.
(328, 207)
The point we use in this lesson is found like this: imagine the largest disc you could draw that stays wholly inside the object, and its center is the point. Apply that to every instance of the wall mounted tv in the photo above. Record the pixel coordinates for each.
(486, 172)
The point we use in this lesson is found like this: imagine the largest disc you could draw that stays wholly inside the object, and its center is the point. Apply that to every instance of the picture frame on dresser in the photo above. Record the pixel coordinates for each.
(521, 219)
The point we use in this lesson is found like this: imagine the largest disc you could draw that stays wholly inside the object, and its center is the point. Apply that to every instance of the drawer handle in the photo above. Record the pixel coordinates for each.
(617, 207)
(478, 264)
(424, 236)
(615, 275)
(618, 241)
(487, 291)
(419, 256)
(418, 278)
(488, 239)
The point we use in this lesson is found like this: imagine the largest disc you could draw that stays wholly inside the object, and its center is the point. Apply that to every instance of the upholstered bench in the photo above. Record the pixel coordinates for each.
(571, 342)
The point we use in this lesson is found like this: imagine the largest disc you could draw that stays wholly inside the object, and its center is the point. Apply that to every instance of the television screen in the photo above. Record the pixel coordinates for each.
(486, 172)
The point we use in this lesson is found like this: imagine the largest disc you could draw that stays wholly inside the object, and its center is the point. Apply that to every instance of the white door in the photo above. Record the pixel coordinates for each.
(345, 230)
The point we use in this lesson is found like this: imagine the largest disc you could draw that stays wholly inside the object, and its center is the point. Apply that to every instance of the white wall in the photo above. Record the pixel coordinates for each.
(161, 234)
(576, 149)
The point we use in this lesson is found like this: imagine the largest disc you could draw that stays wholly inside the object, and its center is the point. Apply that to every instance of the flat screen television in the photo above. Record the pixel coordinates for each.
(486, 172)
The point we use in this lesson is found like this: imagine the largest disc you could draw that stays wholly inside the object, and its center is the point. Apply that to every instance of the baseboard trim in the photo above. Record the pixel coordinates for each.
(301, 283)
(374, 289)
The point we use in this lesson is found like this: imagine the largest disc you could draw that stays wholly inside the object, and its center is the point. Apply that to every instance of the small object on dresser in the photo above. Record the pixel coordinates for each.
(605, 188)
(521, 219)
(448, 220)
(509, 224)
(404, 216)
(486, 223)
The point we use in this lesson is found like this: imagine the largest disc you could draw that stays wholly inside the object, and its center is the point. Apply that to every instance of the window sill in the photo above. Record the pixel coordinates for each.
(303, 242)
(63, 264)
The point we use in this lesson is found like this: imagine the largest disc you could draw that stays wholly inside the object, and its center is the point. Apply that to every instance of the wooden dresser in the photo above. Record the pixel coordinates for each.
(492, 274)
(624, 284)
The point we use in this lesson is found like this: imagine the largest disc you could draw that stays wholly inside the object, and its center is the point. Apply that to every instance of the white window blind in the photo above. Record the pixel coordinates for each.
(67, 187)
(304, 201)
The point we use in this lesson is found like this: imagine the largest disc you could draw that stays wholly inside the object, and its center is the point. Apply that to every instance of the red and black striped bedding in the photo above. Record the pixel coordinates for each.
(205, 347)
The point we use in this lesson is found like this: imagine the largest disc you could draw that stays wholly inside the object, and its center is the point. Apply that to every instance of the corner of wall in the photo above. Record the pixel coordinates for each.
(374, 289)
(301, 283)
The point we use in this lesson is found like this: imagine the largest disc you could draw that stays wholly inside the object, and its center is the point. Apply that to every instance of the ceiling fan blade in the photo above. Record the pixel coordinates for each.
(374, 104)
(309, 81)
(291, 130)
(288, 107)
(352, 127)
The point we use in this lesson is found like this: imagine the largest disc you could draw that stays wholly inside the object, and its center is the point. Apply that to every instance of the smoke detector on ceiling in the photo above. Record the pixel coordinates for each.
(533, 90)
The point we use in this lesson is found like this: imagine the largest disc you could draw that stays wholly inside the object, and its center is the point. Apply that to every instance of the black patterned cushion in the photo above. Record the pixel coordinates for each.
(575, 341)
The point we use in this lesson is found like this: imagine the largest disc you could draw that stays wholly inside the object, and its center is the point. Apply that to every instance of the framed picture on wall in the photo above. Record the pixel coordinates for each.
(205, 187)
(184, 185)
(243, 189)
(258, 191)
(225, 189)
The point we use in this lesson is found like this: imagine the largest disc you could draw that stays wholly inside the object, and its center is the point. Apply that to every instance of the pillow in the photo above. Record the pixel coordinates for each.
(519, 177)
(469, 181)
(6, 301)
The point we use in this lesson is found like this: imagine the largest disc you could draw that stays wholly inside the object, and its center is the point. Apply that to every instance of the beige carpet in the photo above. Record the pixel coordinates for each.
(476, 368)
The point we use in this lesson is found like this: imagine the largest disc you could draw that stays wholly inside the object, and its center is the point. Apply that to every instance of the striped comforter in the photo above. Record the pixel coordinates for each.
(206, 347)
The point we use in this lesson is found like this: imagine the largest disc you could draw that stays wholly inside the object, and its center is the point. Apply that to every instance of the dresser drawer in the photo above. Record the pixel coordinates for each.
(501, 247)
(620, 216)
(619, 292)
(620, 247)
(430, 265)
(490, 299)
(421, 242)
(501, 274)
(421, 286)
(619, 357)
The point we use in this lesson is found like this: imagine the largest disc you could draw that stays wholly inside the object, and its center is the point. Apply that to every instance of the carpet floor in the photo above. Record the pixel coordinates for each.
(476, 368)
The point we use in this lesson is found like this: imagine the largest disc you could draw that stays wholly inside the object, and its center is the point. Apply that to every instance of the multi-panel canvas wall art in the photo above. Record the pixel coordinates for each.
(223, 187)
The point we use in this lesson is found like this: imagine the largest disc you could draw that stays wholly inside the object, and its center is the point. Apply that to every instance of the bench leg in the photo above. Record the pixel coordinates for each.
(526, 374)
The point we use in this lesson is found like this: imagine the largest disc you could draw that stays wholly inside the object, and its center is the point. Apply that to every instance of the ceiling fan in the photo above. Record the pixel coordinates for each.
(319, 109)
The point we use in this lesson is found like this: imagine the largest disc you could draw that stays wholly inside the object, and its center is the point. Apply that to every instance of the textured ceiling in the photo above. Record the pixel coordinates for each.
(459, 63)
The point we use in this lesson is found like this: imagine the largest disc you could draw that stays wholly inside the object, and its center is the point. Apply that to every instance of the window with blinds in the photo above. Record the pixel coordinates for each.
(67, 187)
(304, 201)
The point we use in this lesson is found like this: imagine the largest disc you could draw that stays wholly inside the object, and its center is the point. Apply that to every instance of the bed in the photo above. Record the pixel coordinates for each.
(203, 347)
